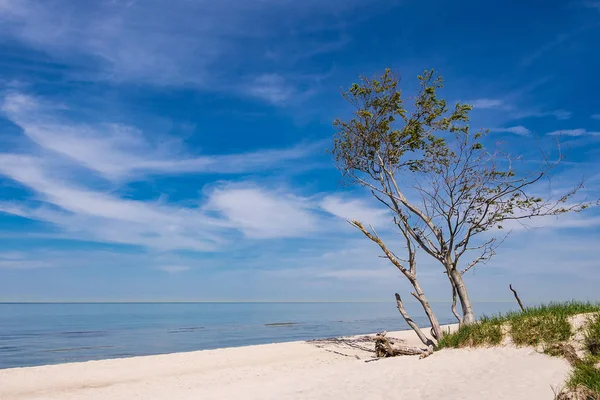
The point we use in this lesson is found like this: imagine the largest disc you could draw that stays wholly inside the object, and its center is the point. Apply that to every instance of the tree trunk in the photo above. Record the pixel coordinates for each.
(463, 296)
(435, 325)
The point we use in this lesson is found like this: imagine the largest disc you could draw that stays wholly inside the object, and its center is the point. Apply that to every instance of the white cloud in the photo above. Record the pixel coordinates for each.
(18, 260)
(517, 130)
(558, 114)
(574, 132)
(487, 103)
(350, 209)
(93, 215)
(261, 214)
(561, 114)
(270, 87)
(595, 116)
(85, 209)
(568, 221)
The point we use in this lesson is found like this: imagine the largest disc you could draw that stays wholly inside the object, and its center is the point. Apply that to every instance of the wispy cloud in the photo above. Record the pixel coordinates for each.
(595, 116)
(574, 132)
(485, 104)
(59, 165)
(93, 215)
(350, 209)
(120, 152)
(270, 87)
(17, 260)
(516, 112)
(560, 115)
(261, 214)
(517, 130)
(158, 42)
(547, 47)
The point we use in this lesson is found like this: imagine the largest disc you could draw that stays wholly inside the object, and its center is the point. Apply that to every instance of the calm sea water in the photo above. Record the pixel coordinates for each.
(38, 334)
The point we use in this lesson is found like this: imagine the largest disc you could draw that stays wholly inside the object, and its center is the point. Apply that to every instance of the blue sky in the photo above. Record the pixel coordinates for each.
(175, 150)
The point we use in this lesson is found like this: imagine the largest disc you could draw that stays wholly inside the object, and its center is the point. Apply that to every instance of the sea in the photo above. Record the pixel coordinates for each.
(34, 334)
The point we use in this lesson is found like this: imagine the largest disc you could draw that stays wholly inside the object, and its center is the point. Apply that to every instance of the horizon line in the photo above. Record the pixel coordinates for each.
(225, 301)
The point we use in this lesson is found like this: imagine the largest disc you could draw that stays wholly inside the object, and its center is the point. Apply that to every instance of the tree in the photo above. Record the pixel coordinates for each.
(448, 195)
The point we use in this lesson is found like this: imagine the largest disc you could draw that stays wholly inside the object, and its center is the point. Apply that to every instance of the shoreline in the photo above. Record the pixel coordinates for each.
(300, 369)
(308, 341)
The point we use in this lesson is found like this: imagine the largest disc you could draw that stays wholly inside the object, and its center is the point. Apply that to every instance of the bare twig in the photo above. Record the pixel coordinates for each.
(517, 297)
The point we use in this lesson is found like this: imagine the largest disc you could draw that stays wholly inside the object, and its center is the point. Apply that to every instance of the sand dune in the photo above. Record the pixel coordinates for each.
(298, 370)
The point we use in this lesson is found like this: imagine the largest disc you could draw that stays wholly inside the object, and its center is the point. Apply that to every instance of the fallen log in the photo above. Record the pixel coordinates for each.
(386, 348)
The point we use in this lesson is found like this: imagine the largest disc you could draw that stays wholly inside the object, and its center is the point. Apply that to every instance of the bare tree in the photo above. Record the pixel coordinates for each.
(448, 195)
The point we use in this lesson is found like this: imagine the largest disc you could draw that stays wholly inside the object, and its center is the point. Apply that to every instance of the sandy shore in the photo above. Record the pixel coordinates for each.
(298, 370)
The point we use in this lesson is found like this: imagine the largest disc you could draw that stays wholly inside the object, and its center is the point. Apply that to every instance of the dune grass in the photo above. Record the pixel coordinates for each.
(587, 373)
(486, 332)
(545, 325)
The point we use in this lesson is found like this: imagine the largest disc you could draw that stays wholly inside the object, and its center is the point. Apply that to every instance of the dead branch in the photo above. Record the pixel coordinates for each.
(360, 343)
(517, 297)
(384, 348)
(412, 323)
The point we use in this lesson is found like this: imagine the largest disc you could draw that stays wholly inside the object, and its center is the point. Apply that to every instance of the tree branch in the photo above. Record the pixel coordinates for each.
(426, 341)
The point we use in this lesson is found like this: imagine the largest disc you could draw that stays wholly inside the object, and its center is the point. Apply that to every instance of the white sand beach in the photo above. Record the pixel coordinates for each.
(297, 370)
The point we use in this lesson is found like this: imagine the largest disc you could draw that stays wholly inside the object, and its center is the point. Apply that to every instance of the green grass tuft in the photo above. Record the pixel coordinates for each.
(591, 336)
(486, 332)
(528, 330)
(587, 375)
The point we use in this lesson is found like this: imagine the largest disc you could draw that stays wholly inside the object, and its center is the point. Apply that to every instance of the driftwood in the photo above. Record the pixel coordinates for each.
(358, 343)
(359, 347)
(517, 297)
(385, 347)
